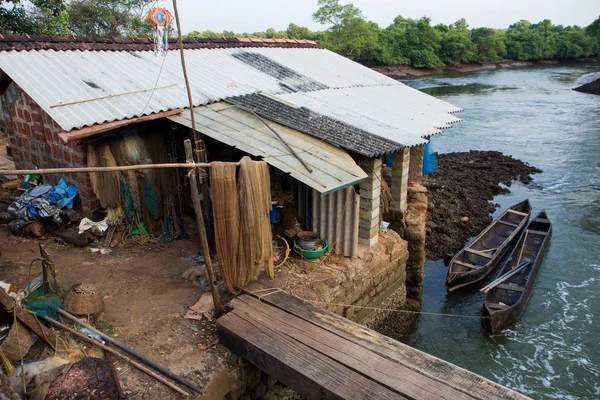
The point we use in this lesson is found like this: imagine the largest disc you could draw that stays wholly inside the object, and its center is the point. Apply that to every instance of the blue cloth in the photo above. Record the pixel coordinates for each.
(430, 164)
(63, 194)
(388, 159)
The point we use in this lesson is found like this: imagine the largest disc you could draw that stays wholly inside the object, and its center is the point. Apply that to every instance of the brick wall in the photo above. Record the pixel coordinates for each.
(370, 199)
(34, 141)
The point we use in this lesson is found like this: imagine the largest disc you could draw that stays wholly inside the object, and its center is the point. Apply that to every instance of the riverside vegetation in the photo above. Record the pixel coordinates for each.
(406, 41)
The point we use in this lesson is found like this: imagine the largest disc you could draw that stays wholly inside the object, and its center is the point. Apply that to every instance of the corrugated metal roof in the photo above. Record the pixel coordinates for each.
(394, 112)
(126, 79)
(334, 131)
(332, 167)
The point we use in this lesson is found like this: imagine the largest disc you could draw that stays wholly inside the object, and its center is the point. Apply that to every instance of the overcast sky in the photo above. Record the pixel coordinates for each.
(258, 15)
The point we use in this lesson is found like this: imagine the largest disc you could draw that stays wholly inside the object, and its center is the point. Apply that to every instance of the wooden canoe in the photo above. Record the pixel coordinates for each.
(505, 303)
(478, 258)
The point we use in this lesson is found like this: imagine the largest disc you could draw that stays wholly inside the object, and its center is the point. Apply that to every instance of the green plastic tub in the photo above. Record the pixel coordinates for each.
(311, 254)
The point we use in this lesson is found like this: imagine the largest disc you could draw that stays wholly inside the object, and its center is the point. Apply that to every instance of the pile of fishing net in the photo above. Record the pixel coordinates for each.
(241, 218)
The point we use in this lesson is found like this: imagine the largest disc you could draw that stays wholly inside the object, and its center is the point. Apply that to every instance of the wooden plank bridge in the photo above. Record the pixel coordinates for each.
(324, 356)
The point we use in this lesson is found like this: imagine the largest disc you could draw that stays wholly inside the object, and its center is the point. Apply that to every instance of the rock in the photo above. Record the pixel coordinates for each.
(464, 219)
(432, 224)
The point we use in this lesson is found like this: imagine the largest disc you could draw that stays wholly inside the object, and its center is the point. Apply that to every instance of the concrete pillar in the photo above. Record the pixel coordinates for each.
(415, 171)
(370, 193)
(400, 167)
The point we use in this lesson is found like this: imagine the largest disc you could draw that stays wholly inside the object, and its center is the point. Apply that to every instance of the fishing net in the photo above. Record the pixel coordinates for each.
(254, 189)
(225, 215)
(172, 226)
(241, 219)
(105, 185)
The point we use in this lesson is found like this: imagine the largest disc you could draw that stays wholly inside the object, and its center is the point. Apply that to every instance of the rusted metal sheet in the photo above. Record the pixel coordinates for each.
(335, 218)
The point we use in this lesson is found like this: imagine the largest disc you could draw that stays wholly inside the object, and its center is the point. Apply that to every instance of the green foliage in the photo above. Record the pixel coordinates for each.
(408, 39)
(489, 44)
(593, 30)
(41, 17)
(457, 46)
(350, 34)
(298, 32)
(405, 41)
(109, 17)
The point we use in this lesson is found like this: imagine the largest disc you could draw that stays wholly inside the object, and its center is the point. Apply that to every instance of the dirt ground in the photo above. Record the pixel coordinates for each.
(145, 301)
(463, 187)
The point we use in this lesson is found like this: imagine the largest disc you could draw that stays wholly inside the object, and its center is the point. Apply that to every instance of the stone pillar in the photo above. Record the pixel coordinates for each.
(400, 167)
(370, 193)
(415, 171)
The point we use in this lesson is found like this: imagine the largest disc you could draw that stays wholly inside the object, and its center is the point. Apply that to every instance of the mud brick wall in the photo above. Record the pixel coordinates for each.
(370, 199)
(34, 141)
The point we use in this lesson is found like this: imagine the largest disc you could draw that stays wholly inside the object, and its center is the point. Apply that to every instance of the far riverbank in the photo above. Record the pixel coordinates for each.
(408, 72)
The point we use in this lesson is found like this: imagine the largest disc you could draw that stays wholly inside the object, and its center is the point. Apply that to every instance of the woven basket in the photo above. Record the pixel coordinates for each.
(83, 299)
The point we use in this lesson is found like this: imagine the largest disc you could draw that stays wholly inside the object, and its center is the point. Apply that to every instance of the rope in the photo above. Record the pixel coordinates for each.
(277, 290)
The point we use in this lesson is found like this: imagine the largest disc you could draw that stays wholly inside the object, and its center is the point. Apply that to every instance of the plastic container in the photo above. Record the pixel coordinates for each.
(275, 213)
(311, 254)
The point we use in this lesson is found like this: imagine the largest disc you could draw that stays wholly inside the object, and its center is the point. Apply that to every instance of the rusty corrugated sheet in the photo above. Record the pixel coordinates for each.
(335, 218)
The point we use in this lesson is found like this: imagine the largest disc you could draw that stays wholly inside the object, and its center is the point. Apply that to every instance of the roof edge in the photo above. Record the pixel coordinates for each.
(106, 43)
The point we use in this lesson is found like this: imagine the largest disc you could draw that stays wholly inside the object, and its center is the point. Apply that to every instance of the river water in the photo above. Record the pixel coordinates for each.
(532, 114)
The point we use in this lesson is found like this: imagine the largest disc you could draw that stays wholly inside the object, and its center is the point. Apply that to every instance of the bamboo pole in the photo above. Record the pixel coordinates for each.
(116, 353)
(202, 231)
(199, 146)
(68, 170)
(110, 96)
(126, 349)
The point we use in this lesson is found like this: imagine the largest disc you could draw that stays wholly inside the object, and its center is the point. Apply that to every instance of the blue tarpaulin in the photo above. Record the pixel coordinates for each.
(430, 164)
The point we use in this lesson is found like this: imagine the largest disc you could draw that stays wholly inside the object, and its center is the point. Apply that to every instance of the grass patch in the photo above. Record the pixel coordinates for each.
(107, 326)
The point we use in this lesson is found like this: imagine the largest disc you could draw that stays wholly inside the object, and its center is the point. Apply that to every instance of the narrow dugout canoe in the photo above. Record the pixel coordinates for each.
(506, 302)
(478, 258)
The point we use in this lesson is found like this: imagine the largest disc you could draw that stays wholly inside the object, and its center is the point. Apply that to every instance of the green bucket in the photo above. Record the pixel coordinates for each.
(311, 254)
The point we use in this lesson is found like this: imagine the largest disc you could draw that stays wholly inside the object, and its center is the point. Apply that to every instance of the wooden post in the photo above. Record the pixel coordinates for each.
(202, 229)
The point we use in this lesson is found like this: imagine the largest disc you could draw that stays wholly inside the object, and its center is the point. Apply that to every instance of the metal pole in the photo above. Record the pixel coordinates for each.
(126, 349)
(121, 356)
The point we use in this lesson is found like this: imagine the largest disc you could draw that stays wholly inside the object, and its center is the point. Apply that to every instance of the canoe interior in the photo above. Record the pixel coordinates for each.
(528, 249)
(491, 240)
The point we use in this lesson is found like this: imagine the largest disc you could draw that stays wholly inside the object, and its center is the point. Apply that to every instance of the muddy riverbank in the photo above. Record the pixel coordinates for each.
(463, 187)
(408, 72)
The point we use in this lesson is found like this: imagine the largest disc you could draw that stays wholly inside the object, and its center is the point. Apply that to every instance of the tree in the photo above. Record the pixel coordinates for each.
(350, 34)
(36, 17)
(109, 17)
(457, 46)
(522, 42)
(297, 32)
(411, 41)
(489, 44)
(593, 30)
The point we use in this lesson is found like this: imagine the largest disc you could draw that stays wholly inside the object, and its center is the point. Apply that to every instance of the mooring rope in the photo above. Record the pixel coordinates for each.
(277, 290)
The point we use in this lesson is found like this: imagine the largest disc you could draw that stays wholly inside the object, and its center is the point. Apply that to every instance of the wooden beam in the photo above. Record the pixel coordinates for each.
(516, 288)
(295, 364)
(93, 130)
(507, 223)
(464, 381)
(202, 229)
(464, 264)
(477, 253)
(537, 232)
(381, 371)
(517, 212)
